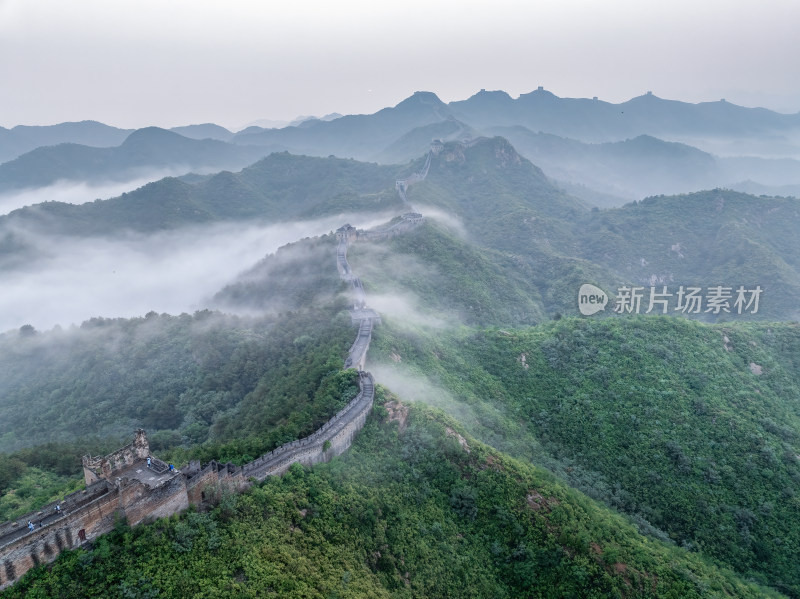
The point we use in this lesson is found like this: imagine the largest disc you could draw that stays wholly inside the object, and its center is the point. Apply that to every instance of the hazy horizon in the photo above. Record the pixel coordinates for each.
(146, 63)
(280, 123)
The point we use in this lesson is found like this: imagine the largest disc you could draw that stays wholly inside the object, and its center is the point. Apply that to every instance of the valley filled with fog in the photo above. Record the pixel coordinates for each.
(74, 279)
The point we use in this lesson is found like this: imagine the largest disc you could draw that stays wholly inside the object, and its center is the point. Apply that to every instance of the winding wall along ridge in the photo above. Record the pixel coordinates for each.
(122, 484)
(402, 184)
(133, 484)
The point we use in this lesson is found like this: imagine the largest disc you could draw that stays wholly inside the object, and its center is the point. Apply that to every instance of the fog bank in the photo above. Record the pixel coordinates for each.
(172, 272)
(76, 192)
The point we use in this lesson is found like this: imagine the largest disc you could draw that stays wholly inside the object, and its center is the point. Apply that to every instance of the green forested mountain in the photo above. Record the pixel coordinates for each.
(689, 431)
(226, 387)
(296, 277)
(437, 274)
(185, 375)
(280, 187)
(716, 237)
(505, 205)
(415, 509)
(694, 430)
(506, 202)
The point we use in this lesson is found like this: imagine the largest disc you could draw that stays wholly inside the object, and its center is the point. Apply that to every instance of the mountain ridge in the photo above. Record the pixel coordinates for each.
(151, 149)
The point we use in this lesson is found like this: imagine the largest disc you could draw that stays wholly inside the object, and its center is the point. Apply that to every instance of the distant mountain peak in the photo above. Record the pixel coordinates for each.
(421, 97)
(203, 131)
(150, 133)
(494, 94)
(540, 93)
(495, 150)
(646, 97)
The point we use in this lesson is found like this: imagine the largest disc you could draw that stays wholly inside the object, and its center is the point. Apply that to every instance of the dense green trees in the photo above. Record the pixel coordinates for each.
(400, 515)
(185, 373)
(205, 386)
(665, 419)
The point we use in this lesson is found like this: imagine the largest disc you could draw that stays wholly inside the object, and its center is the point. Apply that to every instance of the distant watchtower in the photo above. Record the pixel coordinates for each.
(346, 233)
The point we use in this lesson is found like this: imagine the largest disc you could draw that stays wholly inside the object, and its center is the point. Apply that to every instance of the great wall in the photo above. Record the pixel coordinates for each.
(133, 485)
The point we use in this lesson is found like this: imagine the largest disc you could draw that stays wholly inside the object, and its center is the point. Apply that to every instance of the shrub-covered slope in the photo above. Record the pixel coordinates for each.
(425, 512)
(183, 374)
(693, 429)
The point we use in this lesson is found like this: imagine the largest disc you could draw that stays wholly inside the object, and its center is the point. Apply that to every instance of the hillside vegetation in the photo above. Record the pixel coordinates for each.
(426, 512)
(226, 387)
(708, 238)
(692, 429)
(278, 188)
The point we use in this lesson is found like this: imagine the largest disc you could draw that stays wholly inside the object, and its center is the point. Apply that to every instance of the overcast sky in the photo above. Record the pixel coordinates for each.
(174, 62)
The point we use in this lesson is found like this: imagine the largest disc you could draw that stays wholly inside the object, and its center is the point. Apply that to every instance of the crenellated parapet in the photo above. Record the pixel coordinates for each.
(398, 226)
(121, 485)
(331, 439)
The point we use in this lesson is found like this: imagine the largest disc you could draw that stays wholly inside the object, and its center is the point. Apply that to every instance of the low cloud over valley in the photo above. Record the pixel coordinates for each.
(74, 279)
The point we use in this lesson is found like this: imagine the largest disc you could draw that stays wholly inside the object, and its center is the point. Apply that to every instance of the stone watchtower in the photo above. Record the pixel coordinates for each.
(98, 468)
(346, 233)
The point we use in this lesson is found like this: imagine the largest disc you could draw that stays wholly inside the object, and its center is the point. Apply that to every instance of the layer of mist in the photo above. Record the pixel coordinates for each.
(78, 192)
(489, 422)
(405, 311)
(131, 275)
(412, 387)
(450, 220)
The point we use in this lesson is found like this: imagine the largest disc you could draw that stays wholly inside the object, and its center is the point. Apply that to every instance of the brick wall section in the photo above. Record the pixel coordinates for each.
(12, 529)
(406, 223)
(143, 503)
(339, 430)
(94, 517)
(213, 474)
(196, 485)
